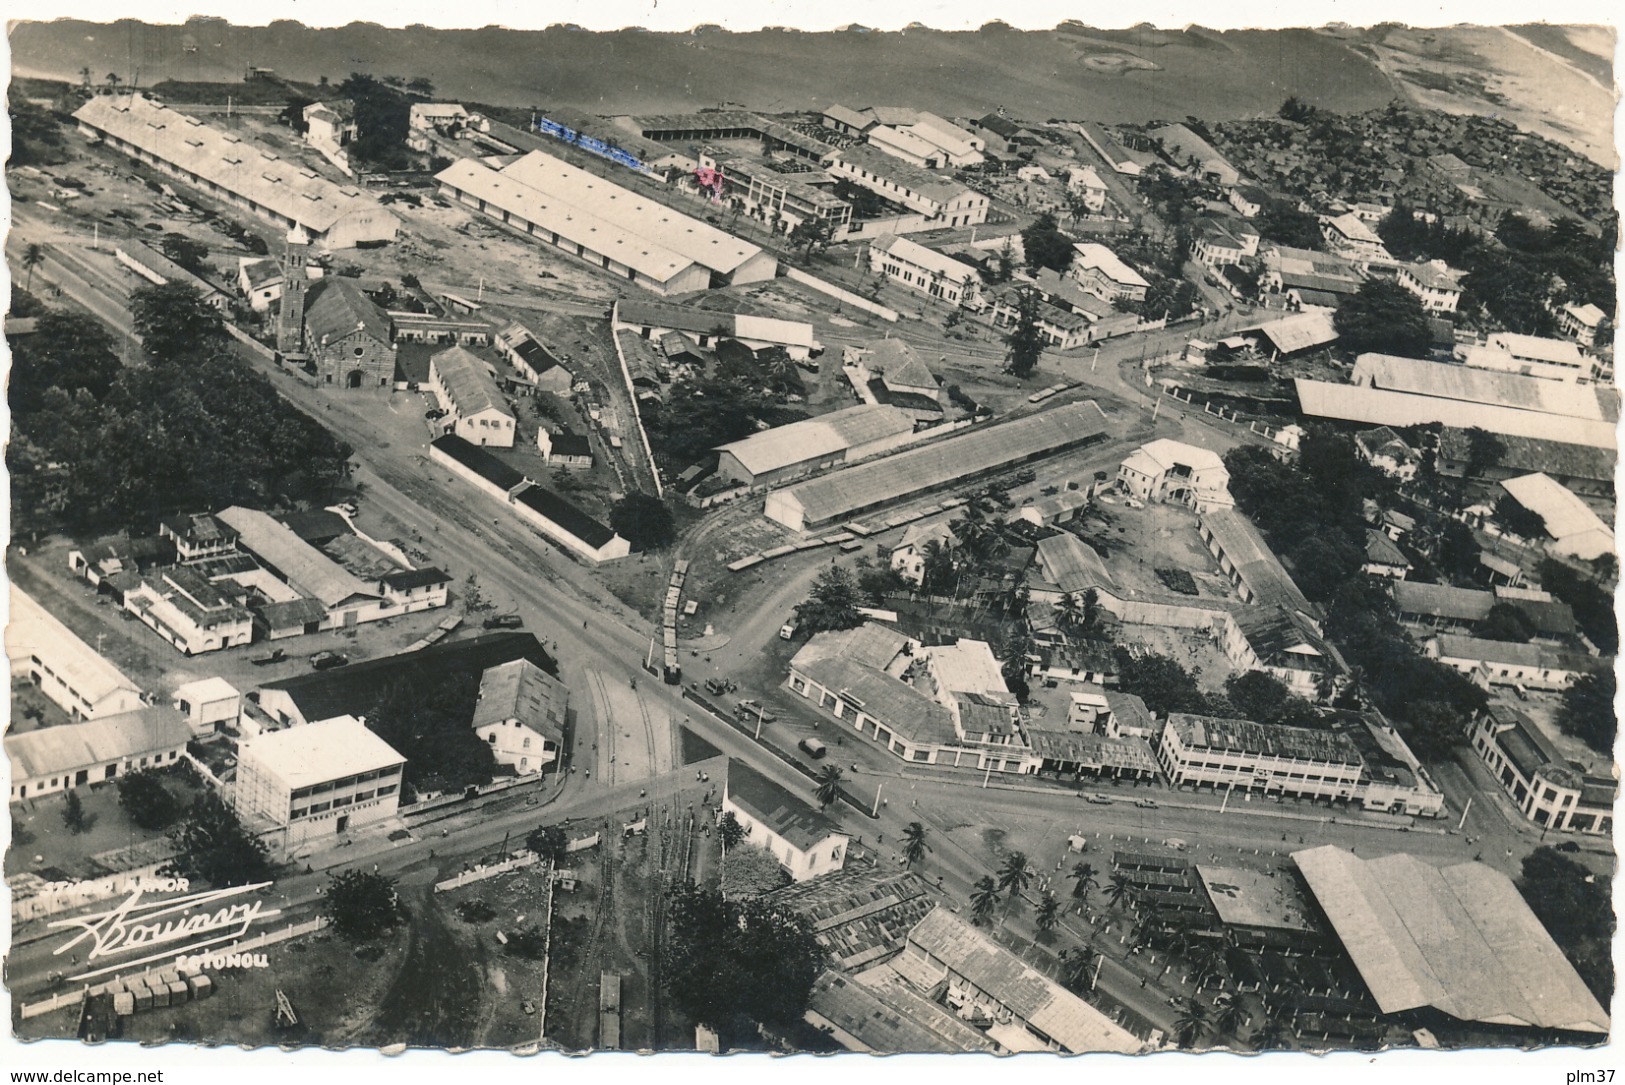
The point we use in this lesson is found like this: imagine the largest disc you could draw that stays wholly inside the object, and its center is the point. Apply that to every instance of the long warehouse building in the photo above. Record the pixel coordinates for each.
(874, 485)
(1381, 407)
(630, 236)
(282, 191)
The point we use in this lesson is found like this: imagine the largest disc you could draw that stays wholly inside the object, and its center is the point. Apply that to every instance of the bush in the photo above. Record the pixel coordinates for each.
(475, 911)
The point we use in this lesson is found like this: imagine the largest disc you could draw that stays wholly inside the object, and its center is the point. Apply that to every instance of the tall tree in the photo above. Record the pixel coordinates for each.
(1119, 890)
(984, 900)
(729, 831)
(174, 323)
(212, 845)
(1587, 711)
(1193, 1021)
(1024, 346)
(146, 801)
(1084, 881)
(1048, 915)
(829, 785)
(1015, 875)
(736, 965)
(643, 520)
(833, 603)
(73, 814)
(33, 257)
(1045, 245)
(361, 905)
(1383, 317)
(914, 845)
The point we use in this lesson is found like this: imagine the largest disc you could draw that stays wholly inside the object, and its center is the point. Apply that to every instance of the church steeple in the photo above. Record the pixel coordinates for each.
(290, 325)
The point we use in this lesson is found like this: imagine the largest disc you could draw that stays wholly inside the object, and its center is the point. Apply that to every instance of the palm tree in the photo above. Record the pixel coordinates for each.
(1089, 611)
(33, 257)
(1079, 966)
(1192, 1023)
(1085, 881)
(112, 79)
(1270, 1034)
(1049, 912)
(914, 845)
(1067, 613)
(1233, 1017)
(829, 784)
(1121, 889)
(1014, 877)
(1207, 961)
(984, 898)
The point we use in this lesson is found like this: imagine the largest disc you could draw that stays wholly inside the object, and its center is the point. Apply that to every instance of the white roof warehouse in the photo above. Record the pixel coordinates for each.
(648, 243)
(237, 171)
(871, 486)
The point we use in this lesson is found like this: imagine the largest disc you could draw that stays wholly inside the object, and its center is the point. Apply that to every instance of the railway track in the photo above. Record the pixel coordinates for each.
(590, 965)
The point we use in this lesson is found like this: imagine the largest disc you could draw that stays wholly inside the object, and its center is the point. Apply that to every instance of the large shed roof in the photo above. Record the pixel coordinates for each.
(305, 568)
(1380, 406)
(1449, 381)
(1565, 514)
(1459, 939)
(35, 630)
(817, 438)
(940, 463)
(63, 750)
(285, 186)
(1029, 994)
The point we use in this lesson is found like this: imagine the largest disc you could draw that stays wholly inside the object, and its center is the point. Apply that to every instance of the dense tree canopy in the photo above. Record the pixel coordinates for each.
(1588, 710)
(361, 905)
(1045, 245)
(1576, 909)
(426, 722)
(833, 603)
(212, 845)
(1025, 343)
(1593, 607)
(737, 964)
(382, 113)
(1281, 221)
(100, 447)
(1384, 317)
(146, 801)
(703, 412)
(643, 520)
(1162, 683)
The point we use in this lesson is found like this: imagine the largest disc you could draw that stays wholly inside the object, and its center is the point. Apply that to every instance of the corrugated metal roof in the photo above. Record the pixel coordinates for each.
(1378, 406)
(520, 690)
(1027, 993)
(247, 169)
(34, 630)
(64, 750)
(468, 382)
(305, 568)
(818, 438)
(1565, 514)
(1072, 564)
(941, 462)
(1488, 386)
(1097, 257)
(914, 253)
(339, 307)
(1460, 939)
(788, 815)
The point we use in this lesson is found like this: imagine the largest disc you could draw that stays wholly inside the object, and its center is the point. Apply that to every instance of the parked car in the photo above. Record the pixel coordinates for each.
(718, 686)
(1567, 845)
(1099, 800)
(326, 661)
(1146, 804)
(434, 413)
(504, 621)
(813, 748)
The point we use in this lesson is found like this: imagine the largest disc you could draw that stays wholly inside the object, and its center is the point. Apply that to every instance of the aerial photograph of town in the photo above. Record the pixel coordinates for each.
(984, 540)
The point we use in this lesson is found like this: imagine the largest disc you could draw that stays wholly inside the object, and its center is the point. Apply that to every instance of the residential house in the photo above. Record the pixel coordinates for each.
(572, 451)
(1248, 200)
(1385, 450)
(1084, 183)
(1110, 148)
(52, 759)
(1383, 557)
(1581, 322)
(1587, 470)
(532, 360)
(907, 558)
(1224, 244)
(805, 842)
(1347, 233)
(1172, 471)
(1100, 272)
(890, 371)
(903, 144)
(158, 269)
(1441, 608)
(1056, 508)
(1282, 643)
(1436, 284)
(475, 408)
(849, 122)
(331, 123)
(1543, 353)
(521, 715)
(1004, 135)
(924, 270)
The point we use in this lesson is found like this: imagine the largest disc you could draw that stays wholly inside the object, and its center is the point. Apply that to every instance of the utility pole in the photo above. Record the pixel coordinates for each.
(1100, 959)
(1459, 824)
(761, 710)
(875, 811)
(987, 775)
